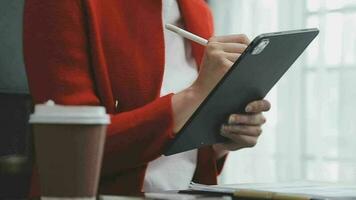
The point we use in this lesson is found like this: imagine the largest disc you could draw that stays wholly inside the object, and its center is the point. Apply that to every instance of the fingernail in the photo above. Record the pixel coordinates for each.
(232, 119)
(248, 109)
(222, 130)
(226, 128)
(264, 120)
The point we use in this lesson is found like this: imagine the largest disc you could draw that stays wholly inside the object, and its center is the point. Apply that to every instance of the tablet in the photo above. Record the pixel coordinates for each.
(250, 78)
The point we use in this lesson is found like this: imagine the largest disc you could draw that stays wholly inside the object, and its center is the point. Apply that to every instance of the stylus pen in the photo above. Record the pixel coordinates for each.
(187, 34)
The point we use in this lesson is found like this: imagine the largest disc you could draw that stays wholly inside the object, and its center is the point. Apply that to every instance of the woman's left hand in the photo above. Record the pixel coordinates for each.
(243, 130)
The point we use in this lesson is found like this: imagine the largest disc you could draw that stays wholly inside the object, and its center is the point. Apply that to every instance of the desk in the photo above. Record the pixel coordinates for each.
(172, 195)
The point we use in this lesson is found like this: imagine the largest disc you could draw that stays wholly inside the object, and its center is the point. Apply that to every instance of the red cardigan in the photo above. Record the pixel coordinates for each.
(111, 53)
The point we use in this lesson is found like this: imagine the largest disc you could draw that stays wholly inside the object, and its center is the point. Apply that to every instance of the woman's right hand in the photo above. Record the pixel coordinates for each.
(220, 54)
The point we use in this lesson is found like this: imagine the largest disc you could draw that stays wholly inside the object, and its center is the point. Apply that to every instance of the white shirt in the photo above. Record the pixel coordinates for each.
(173, 172)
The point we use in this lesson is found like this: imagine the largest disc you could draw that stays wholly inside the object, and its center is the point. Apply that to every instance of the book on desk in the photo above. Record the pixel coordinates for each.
(300, 190)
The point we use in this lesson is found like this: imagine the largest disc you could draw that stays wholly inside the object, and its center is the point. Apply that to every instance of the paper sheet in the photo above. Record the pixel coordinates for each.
(314, 189)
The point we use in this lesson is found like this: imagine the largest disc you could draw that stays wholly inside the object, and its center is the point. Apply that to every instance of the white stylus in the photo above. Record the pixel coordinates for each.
(187, 34)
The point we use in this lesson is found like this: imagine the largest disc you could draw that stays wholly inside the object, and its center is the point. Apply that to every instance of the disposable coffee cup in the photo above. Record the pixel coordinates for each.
(69, 143)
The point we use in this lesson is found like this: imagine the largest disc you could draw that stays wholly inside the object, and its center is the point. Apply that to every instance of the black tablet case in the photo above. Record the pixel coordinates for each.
(250, 78)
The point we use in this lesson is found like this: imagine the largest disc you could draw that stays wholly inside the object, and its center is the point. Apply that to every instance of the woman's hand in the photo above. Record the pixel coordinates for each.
(243, 130)
(220, 54)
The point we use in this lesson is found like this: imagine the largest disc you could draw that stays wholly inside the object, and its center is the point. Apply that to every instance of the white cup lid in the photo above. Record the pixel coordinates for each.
(50, 113)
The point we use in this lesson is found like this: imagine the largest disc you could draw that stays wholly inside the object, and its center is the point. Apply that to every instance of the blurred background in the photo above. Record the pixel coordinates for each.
(15, 105)
(311, 130)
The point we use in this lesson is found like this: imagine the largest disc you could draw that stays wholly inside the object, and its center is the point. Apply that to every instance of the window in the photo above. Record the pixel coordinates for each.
(311, 130)
(329, 76)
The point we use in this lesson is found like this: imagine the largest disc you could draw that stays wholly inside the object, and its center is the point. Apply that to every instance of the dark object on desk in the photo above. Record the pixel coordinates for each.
(15, 145)
(14, 127)
(251, 77)
(15, 174)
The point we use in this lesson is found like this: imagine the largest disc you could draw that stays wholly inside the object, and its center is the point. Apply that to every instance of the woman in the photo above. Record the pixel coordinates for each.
(116, 53)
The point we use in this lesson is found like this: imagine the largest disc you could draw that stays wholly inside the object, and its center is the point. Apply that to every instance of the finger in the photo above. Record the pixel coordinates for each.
(227, 64)
(233, 47)
(241, 140)
(253, 119)
(232, 56)
(232, 146)
(258, 106)
(238, 38)
(242, 130)
(219, 57)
